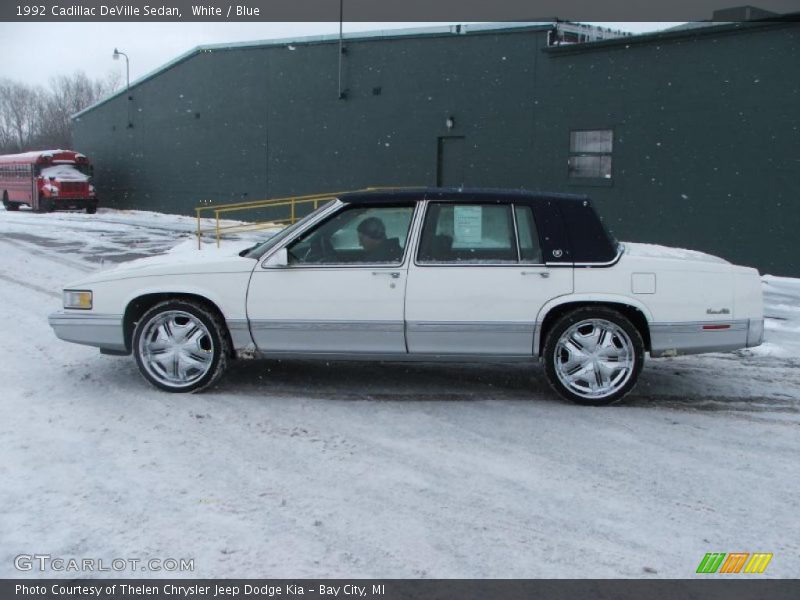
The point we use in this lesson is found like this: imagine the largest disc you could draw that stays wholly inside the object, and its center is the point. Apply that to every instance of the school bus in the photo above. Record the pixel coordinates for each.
(47, 180)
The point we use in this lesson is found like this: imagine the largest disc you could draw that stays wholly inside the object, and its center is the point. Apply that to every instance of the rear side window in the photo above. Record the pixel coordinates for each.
(530, 250)
(468, 234)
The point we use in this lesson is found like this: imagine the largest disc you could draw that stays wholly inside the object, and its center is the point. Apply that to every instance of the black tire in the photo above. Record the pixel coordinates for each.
(90, 210)
(45, 206)
(8, 204)
(621, 338)
(214, 342)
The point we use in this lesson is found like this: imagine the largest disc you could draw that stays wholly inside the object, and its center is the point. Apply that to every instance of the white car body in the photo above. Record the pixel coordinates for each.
(681, 301)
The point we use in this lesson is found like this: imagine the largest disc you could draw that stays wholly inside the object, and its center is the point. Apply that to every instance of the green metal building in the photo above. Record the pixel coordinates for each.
(688, 138)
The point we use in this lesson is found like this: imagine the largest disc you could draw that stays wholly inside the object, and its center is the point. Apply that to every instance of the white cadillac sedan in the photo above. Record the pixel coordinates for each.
(424, 275)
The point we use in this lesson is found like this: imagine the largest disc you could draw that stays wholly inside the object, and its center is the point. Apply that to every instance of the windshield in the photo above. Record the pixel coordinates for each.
(64, 172)
(262, 248)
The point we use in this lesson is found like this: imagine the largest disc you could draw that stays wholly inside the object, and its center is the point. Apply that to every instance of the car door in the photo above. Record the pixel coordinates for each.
(479, 280)
(342, 291)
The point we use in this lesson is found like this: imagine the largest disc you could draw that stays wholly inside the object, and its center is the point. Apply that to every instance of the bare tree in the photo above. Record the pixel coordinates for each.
(19, 108)
(68, 95)
(35, 118)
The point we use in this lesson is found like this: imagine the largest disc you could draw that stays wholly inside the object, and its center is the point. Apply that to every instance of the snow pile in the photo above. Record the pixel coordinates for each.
(33, 154)
(64, 173)
(781, 317)
(657, 251)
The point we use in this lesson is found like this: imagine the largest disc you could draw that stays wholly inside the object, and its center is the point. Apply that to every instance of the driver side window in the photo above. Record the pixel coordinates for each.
(356, 235)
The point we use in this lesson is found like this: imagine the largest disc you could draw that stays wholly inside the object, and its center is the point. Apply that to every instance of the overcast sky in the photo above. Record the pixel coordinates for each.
(34, 52)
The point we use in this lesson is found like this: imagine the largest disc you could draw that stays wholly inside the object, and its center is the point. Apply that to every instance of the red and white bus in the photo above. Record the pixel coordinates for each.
(47, 180)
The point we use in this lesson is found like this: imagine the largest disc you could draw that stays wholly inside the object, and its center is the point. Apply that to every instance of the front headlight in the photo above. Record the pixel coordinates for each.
(78, 299)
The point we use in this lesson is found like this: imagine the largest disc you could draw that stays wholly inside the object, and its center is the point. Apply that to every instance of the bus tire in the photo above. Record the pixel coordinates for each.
(8, 204)
(90, 210)
(45, 206)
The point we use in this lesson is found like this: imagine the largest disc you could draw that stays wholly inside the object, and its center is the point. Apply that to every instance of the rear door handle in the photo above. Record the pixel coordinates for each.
(542, 274)
(392, 274)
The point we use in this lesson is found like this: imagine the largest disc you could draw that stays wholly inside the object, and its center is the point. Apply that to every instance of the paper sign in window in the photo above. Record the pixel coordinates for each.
(467, 225)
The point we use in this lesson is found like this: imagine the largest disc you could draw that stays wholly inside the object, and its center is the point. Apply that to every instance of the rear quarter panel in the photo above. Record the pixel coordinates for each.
(683, 290)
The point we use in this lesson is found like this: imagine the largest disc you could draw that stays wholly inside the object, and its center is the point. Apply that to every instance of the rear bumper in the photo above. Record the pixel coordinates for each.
(673, 339)
(102, 331)
(755, 332)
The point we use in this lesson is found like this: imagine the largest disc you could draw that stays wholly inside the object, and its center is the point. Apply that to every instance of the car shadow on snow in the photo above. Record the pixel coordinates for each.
(347, 380)
(678, 387)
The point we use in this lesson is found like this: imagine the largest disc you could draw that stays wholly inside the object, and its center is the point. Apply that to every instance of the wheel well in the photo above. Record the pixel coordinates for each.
(633, 314)
(138, 306)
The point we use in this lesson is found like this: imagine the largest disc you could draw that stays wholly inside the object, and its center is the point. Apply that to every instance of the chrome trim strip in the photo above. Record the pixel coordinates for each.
(516, 231)
(537, 337)
(240, 333)
(323, 326)
(694, 326)
(90, 329)
(470, 338)
(398, 357)
(526, 327)
(610, 263)
(689, 337)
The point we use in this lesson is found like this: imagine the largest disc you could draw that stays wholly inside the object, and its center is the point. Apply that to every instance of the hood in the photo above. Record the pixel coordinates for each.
(183, 259)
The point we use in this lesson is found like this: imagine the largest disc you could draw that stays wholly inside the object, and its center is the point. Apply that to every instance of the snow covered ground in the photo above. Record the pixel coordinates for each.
(299, 469)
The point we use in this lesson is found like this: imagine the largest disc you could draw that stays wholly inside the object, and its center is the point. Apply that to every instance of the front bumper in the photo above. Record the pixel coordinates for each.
(80, 327)
(62, 203)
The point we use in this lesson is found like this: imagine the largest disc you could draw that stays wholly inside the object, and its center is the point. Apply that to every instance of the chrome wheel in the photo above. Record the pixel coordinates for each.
(594, 358)
(176, 349)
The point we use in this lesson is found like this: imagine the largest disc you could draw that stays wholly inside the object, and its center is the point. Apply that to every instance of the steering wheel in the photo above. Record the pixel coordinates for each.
(320, 250)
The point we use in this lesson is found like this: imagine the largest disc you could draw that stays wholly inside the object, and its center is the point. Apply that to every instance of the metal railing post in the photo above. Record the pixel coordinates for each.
(199, 230)
(216, 212)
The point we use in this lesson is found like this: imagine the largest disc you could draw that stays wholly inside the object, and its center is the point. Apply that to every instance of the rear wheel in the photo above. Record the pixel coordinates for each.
(8, 204)
(180, 346)
(90, 210)
(593, 356)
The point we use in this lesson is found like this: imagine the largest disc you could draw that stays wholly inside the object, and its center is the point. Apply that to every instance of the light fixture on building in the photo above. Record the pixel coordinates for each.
(450, 122)
(116, 56)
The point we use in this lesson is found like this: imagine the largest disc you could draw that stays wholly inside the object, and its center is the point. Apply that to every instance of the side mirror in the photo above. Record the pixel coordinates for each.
(278, 259)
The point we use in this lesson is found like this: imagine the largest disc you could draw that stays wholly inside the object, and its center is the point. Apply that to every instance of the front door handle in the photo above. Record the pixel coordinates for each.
(542, 274)
(392, 274)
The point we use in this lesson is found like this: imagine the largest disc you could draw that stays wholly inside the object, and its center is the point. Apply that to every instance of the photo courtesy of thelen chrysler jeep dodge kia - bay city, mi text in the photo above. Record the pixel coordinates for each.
(427, 275)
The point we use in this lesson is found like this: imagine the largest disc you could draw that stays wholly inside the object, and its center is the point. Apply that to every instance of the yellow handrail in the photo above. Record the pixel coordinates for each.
(291, 201)
(224, 209)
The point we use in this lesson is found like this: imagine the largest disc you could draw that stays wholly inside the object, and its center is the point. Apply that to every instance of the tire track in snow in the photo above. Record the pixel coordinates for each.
(30, 286)
(51, 256)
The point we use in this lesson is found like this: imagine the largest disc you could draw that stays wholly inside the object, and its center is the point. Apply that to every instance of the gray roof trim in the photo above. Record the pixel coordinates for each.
(444, 30)
(702, 29)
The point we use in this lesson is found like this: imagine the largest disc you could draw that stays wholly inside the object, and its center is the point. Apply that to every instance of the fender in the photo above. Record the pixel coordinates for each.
(177, 290)
(596, 298)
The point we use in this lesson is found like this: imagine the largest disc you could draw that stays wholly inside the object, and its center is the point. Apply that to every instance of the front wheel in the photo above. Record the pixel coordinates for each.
(181, 346)
(45, 206)
(593, 356)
